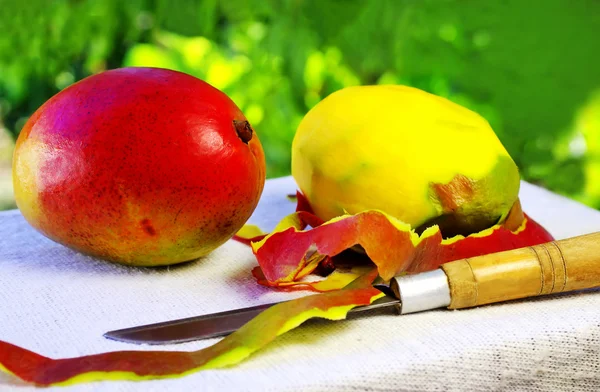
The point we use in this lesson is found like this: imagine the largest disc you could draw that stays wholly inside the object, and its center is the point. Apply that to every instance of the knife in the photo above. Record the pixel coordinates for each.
(554, 267)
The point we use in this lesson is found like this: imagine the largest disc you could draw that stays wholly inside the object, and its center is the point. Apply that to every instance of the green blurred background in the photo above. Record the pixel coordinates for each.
(532, 68)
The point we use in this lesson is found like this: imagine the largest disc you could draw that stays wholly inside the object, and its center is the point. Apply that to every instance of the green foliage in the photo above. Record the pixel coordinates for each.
(529, 67)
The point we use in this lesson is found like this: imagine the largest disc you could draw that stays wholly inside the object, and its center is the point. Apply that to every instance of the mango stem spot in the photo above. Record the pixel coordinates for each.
(244, 130)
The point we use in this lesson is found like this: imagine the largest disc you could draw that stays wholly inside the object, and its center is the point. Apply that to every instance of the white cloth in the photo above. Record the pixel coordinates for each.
(59, 303)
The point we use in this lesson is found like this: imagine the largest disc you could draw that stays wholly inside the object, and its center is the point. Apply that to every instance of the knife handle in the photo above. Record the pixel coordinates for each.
(553, 267)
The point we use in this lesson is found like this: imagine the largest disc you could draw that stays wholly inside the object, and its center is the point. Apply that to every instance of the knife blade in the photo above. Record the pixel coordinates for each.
(554, 267)
(210, 325)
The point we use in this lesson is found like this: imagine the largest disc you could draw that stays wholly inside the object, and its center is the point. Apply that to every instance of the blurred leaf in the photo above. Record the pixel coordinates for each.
(150, 56)
(276, 59)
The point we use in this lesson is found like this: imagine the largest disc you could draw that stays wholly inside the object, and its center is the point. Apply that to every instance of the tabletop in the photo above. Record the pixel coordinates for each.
(58, 303)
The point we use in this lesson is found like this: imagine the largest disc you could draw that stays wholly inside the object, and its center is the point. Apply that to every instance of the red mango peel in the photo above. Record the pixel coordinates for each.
(287, 257)
(143, 365)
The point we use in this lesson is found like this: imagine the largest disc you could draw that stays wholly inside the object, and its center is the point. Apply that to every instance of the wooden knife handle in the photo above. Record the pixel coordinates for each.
(554, 267)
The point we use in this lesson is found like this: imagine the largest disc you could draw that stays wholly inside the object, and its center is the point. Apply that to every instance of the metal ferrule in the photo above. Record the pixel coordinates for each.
(424, 291)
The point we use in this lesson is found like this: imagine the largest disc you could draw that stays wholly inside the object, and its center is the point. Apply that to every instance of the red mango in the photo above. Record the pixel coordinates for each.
(141, 166)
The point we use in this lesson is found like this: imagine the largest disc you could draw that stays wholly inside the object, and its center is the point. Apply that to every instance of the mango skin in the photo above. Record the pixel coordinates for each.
(140, 166)
(418, 157)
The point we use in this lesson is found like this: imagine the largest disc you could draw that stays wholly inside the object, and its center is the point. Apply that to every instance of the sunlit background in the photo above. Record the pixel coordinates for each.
(532, 68)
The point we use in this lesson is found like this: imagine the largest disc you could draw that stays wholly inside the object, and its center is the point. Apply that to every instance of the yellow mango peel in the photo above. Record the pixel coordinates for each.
(145, 365)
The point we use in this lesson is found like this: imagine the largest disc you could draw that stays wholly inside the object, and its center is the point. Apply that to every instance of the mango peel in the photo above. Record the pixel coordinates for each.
(145, 365)
(291, 253)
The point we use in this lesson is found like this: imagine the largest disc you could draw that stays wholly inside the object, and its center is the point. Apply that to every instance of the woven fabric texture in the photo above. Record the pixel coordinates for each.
(59, 303)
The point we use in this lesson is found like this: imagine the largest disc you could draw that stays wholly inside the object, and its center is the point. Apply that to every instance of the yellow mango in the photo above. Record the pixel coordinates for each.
(420, 158)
